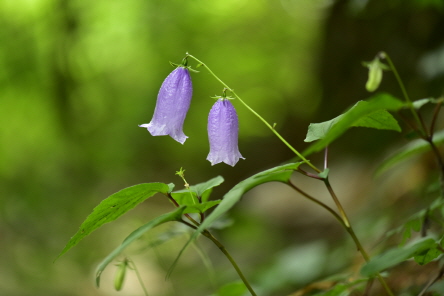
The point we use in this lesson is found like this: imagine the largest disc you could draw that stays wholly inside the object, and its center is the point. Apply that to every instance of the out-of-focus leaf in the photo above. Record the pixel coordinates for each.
(115, 206)
(341, 288)
(371, 113)
(427, 256)
(411, 149)
(277, 174)
(172, 216)
(414, 222)
(395, 256)
(419, 103)
(415, 225)
(232, 289)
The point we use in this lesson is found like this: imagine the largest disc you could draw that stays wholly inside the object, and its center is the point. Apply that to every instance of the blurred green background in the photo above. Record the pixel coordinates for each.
(78, 77)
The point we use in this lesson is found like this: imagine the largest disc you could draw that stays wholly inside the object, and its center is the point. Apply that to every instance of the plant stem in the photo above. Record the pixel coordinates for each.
(219, 245)
(227, 254)
(338, 204)
(139, 278)
(404, 92)
(347, 227)
(426, 134)
(258, 116)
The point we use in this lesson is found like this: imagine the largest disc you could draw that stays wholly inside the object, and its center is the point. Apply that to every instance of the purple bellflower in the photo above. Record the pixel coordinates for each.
(223, 128)
(173, 102)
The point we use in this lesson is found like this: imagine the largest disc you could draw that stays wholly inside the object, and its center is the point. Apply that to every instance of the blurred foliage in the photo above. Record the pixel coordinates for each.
(77, 77)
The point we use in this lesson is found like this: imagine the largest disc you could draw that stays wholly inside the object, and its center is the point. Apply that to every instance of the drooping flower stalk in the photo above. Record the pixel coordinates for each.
(257, 115)
(173, 102)
(223, 128)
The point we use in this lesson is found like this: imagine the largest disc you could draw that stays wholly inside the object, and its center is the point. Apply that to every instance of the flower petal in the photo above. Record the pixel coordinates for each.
(223, 128)
(173, 102)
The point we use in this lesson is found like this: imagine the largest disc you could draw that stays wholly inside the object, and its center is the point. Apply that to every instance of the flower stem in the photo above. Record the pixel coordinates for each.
(414, 112)
(426, 134)
(258, 116)
(139, 278)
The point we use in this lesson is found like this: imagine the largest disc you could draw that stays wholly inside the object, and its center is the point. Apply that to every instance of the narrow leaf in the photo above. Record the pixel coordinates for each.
(276, 174)
(171, 216)
(371, 113)
(113, 207)
(411, 149)
(395, 256)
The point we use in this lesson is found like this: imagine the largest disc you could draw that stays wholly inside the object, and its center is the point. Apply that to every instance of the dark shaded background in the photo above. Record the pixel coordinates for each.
(77, 77)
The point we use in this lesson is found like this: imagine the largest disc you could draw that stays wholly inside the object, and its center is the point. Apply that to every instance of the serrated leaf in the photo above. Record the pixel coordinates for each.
(276, 174)
(371, 113)
(395, 256)
(113, 207)
(411, 149)
(427, 256)
(172, 216)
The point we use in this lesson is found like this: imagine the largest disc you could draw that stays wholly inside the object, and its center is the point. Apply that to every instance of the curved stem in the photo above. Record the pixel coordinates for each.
(414, 112)
(233, 262)
(347, 227)
(338, 204)
(350, 230)
(318, 202)
(258, 116)
(221, 247)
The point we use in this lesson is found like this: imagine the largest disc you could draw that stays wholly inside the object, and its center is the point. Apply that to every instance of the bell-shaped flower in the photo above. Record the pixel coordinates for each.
(223, 128)
(173, 102)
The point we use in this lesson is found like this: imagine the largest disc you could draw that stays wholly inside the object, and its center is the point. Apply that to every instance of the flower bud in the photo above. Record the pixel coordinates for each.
(375, 69)
(120, 275)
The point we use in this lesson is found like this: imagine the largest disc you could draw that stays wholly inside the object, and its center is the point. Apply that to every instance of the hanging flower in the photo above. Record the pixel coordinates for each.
(173, 102)
(223, 130)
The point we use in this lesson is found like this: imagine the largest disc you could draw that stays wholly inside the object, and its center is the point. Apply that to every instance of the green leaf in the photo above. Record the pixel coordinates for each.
(395, 256)
(232, 289)
(202, 189)
(343, 289)
(411, 149)
(419, 103)
(113, 207)
(415, 221)
(276, 174)
(171, 216)
(415, 225)
(372, 113)
(427, 256)
(185, 197)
